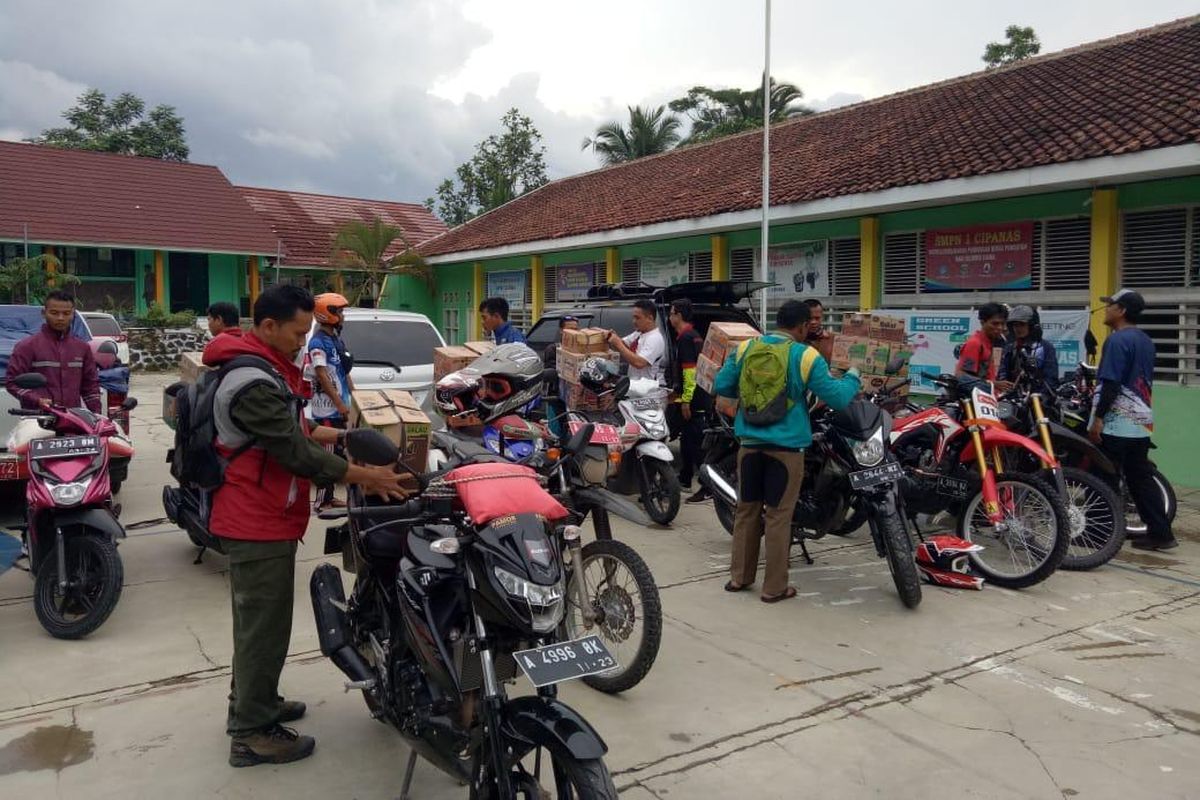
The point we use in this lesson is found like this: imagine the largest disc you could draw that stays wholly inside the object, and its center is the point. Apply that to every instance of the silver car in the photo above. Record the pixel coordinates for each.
(392, 350)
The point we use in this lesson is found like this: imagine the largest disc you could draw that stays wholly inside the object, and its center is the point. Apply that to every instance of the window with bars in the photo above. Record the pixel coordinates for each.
(903, 262)
(1155, 248)
(1062, 254)
(741, 264)
(845, 264)
(631, 270)
(700, 266)
(450, 327)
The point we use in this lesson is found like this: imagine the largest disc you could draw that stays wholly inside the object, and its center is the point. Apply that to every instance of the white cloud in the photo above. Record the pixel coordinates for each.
(289, 143)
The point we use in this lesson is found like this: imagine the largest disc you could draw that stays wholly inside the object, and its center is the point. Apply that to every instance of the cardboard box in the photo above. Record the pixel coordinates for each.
(856, 325)
(887, 329)
(875, 383)
(580, 399)
(396, 417)
(706, 373)
(480, 347)
(840, 359)
(851, 351)
(724, 337)
(878, 354)
(585, 340)
(190, 367)
(451, 359)
(568, 363)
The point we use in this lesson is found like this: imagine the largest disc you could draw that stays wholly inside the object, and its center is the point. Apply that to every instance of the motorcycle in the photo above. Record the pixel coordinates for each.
(954, 455)
(71, 522)
(623, 603)
(455, 593)
(642, 419)
(849, 472)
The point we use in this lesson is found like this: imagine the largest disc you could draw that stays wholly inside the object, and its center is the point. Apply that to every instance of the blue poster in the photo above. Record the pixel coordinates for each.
(572, 281)
(509, 285)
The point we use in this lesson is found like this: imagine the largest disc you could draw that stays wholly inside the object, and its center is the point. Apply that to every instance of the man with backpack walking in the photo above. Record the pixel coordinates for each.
(769, 376)
(259, 467)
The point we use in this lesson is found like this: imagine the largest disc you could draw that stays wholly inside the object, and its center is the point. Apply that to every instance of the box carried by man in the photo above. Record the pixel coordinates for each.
(396, 414)
(585, 340)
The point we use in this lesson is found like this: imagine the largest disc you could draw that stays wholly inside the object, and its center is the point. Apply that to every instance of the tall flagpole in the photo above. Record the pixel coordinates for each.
(766, 161)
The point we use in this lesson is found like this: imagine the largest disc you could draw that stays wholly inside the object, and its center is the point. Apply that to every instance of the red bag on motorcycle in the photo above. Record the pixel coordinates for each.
(490, 490)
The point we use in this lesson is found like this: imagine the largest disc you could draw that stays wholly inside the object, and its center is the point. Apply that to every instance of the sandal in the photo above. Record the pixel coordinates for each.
(733, 587)
(787, 594)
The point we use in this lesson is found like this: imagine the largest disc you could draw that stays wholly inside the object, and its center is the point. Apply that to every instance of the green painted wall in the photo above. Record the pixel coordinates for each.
(803, 232)
(667, 247)
(1176, 433)
(592, 254)
(455, 289)
(406, 293)
(1169, 192)
(224, 279)
(1058, 204)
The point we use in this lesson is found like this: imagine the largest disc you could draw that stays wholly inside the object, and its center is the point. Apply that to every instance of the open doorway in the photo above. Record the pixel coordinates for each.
(189, 281)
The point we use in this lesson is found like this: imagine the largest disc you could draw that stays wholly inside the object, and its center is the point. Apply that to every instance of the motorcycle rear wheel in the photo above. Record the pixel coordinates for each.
(726, 511)
(1097, 519)
(901, 562)
(1041, 506)
(1133, 520)
(622, 589)
(95, 567)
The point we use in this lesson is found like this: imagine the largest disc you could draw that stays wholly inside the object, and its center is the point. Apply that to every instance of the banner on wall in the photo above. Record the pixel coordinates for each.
(979, 257)
(664, 270)
(572, 281)
(937, 337)
(509, 285)
(797, 269)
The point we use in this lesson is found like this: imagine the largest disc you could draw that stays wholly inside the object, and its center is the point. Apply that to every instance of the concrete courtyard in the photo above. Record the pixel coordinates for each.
(1084, 686)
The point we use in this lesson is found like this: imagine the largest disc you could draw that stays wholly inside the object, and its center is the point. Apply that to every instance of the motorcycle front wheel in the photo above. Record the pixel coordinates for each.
(1031, 539)
(660, 490)
(627, 608)
(95, 576)
(569, 778)
(901, 562)
(1097, 519)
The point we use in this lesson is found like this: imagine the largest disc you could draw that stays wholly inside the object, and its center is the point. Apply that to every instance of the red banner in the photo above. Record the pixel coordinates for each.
(979, 257)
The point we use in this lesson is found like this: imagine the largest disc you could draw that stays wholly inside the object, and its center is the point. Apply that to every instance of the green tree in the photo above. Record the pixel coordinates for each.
(1022, 43)
(505, 166)
(379, 250)
(28, 280)
(720, 112)
(120, 126)
(650, 131)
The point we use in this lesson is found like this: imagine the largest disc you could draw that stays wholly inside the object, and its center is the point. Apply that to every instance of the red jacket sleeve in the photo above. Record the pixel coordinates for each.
(20, 362)
(970, 360)
(89, 382)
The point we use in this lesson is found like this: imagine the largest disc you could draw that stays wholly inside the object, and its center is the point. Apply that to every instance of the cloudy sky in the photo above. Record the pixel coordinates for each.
(383, 98)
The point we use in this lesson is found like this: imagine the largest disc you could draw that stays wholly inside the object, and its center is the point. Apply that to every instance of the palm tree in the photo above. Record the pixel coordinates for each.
(650, 131)
(720, 112)
(371, 248)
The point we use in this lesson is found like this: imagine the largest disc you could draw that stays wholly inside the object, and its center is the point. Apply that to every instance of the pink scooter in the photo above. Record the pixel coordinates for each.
(71, 524)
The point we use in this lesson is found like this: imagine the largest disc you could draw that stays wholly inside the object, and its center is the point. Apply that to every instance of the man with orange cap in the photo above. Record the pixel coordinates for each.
(330, 404)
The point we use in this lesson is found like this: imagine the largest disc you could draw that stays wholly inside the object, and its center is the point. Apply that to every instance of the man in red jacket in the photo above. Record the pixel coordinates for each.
(261, 511)
(72, 379)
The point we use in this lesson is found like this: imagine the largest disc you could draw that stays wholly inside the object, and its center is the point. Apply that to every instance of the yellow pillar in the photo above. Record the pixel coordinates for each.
(254, 280)
(870, 264)
(339, 283)
(1105, 225)
(51, 266)
(720, 257)
(477, 298)
(537, 272)
(612, 265)
(160, 280)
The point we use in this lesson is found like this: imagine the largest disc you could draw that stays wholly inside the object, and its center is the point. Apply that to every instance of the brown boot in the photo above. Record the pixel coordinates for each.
(273, 745)
(291, 710)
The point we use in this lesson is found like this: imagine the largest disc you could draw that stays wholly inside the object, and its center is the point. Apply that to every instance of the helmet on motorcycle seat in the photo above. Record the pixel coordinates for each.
(328, 308)
(104, 353)
(944, 561)
(596, 374)
(511, 376)
(456, 396)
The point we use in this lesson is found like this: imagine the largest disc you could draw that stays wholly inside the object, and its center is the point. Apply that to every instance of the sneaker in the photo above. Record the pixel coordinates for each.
(1148, 543)
(291, 710)
(701, 496)
(273, 745)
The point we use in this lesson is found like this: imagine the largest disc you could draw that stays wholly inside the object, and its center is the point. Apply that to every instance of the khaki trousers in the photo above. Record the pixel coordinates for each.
(768, 485)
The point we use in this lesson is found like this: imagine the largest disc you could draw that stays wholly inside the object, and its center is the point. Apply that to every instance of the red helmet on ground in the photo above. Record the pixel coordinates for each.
(944, 561)
(329, 307)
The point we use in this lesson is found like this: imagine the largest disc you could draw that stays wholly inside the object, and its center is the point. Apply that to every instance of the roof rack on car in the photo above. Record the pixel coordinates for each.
(615, 291)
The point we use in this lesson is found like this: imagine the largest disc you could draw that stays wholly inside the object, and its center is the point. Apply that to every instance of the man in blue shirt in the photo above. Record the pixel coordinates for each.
(1123, 417)
(330, 404)
(771, 457)
(494, 313)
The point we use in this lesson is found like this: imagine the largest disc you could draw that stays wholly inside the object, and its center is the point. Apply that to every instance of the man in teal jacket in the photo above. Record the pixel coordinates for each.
(771, 457)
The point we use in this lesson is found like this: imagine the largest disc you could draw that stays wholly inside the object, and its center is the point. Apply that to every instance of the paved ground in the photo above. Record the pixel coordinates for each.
(1082, 687)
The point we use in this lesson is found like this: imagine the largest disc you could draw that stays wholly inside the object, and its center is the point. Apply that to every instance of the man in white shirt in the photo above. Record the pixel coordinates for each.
(645, 349)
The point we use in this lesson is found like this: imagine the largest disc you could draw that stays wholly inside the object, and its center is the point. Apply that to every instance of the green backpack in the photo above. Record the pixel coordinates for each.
(762, 387)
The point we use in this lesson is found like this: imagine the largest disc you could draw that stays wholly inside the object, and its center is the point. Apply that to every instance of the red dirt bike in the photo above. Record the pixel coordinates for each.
(955, 455)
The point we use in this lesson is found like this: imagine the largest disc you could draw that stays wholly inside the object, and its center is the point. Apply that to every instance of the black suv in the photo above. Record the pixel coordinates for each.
(611, 306)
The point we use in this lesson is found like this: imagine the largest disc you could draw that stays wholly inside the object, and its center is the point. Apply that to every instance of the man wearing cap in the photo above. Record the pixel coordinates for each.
(1123, 418)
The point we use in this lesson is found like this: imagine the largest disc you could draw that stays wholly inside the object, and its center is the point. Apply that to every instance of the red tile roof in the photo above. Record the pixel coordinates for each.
(1134, 92)
(78, 197)
(306, 223)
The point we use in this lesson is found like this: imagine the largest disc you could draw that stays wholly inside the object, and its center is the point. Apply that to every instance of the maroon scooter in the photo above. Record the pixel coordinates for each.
(71, 524)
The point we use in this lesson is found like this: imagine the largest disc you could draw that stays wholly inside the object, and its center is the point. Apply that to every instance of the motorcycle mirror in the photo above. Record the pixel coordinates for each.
(30, 380)
(371, 447)
(1090, 344)
(579, 440)
(129, 404)
(895, 364)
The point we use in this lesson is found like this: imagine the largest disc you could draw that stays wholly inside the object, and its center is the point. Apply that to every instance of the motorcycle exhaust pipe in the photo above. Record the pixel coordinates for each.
(715, 483)
(329, 612)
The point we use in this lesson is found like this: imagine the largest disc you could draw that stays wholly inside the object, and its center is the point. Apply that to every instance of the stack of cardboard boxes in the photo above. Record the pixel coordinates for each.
(576, 348)
(877, 346)
(722, 339)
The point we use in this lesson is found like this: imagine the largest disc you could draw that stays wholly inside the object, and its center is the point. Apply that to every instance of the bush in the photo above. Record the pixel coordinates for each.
(157, 317)
(182, 319)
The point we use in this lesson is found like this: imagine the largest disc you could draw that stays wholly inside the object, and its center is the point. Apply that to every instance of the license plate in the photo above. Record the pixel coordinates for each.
(10, 469)
(601, 434)
(953, 487)
(65, 447)
(647, 403)
(986, 406)
(884, 473)
(563, 661)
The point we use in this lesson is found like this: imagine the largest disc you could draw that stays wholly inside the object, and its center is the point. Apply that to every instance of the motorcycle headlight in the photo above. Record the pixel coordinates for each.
(870, 452)
(545, 602)
(68, 494)
(655, 430)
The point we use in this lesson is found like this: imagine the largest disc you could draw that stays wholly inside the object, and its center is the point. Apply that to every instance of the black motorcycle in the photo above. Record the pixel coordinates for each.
(443, 613)
(849, 475)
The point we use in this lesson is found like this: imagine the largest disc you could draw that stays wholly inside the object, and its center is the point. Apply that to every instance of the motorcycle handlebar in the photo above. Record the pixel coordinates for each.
(28, 412)
(409, 508)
